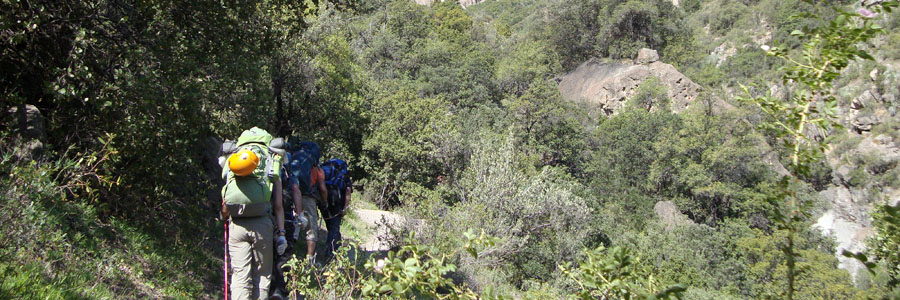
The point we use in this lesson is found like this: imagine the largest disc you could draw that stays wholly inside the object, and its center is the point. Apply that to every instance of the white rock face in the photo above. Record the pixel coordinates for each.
(848, 223)
(848, 218)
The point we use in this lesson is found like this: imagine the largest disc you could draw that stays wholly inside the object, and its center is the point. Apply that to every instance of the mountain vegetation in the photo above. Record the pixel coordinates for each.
(113, 112)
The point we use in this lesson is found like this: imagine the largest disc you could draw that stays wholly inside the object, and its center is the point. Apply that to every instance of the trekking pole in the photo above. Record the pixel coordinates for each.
(226, 260)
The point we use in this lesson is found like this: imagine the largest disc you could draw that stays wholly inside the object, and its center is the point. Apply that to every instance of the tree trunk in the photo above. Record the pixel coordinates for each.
(277, 87)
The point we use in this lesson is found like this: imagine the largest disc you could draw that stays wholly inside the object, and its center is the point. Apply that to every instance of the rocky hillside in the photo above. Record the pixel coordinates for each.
(864, 161)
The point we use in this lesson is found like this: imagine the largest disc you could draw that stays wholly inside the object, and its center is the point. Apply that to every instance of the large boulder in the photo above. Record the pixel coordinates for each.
(670, 215)
(28, 126)
(610, 84)
(646, 56)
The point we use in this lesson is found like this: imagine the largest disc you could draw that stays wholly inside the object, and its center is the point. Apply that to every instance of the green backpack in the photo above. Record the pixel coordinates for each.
(248, 196)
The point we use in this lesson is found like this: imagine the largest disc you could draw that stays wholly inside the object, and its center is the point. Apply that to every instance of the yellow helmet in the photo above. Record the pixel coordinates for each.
(243, 162)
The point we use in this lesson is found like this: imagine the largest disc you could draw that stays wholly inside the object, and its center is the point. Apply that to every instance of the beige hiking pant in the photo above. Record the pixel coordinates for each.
(312, 214)
(250, 243)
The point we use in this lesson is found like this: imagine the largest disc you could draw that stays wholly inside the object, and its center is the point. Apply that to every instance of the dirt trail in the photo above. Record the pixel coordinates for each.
(378, 219)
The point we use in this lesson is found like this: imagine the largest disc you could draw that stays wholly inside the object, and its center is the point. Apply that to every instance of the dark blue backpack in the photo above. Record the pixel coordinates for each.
(303, 159)
(336, 182)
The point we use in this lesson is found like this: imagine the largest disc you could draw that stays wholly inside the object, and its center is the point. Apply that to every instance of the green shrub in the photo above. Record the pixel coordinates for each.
(616, 274)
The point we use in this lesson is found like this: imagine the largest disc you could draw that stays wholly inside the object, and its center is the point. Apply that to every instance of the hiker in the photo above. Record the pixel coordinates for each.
(304, 166)
(339, 187)
(295, 222)
(252, 177)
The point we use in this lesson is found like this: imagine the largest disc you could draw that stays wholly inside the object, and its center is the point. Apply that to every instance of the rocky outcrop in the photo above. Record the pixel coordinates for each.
(28, 126)
(850, 203)
(610, 84)
(670, 215)
(646, 56)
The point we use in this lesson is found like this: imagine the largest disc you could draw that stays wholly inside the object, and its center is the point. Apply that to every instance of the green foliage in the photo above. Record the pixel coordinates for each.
(529, 62)
(611, 28)
(625, 148)
(404, 134)
(616, 274)
(631, 25)
(650, 94)
(825, 52)
(769, 272)
(712, 166)
(59, 248)
(451, 114)
(544, 125)
(724, 16)
(414, 270)
(538, 214)
(886, 243)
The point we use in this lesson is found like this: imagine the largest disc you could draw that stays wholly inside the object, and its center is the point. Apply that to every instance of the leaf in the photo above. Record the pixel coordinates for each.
(864, 55)
(796, 32)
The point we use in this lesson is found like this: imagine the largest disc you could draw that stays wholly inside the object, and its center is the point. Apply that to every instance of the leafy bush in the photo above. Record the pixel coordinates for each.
(414, 270)
(616, 274)
(885, 245)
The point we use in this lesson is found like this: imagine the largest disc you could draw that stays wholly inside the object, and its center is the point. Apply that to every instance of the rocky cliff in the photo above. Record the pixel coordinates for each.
(865, 160)
(610, 84)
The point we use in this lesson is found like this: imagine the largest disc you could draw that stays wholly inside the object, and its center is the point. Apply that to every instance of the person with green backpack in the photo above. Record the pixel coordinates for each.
(252, 177)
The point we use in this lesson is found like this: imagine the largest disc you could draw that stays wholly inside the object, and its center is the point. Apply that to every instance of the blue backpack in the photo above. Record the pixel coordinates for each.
(336, 182)
(303, 158)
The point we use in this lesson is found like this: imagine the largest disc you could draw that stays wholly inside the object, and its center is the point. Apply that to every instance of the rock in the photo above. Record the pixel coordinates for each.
(883, 139)
(866, 98)
(874, 74)
(34, 122)
(670, 215)
(646, 56)
(30, 129)
(857, 104)
(842, 176)
(681, 90)
(847, 221)
(722, 53)
(864, 123)
(610, 84)
(881, 146)
(888, 98)
(467, 3)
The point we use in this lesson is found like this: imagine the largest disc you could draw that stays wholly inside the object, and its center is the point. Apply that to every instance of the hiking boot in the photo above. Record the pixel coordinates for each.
(312, 262)
(276, 296)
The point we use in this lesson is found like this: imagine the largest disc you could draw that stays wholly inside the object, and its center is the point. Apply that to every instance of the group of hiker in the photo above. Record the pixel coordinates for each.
(274, 193)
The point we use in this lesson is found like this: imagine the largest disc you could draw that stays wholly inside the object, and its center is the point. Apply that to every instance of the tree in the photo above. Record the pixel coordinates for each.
(544, 126)
(403, 137)
(826, 51)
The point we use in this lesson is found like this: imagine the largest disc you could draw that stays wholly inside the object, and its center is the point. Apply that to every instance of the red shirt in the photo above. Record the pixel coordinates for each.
(316, 175)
